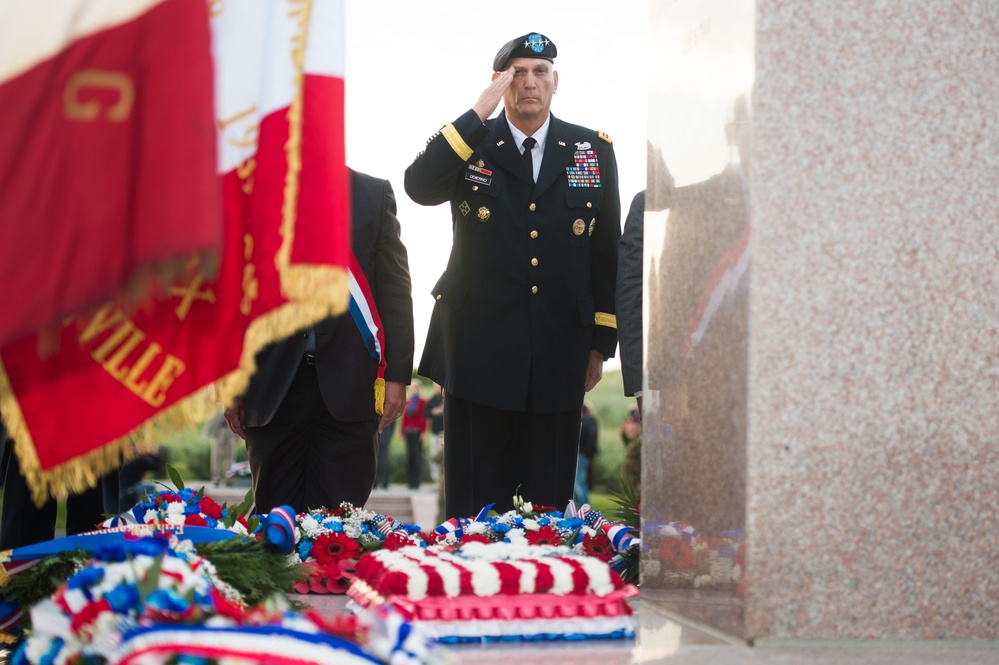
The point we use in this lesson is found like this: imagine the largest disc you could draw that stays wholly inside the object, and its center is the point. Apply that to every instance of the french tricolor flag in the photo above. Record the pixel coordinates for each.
(279, 106)
(106, 152)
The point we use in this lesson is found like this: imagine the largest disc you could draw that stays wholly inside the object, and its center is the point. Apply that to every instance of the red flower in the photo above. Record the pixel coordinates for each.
(345, 626)
(195, 520)
(396, 540)
(242, 520)
(332, 547)
(167, 498)
(225, 607)
(509, 578)
(208, 506)
(337, 584)
(310, 571)
(598, 546)
(474, 538)
(677, 552)
(546, 535)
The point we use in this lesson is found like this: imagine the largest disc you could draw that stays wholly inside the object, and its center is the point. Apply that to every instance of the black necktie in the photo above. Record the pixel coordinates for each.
(529, 144)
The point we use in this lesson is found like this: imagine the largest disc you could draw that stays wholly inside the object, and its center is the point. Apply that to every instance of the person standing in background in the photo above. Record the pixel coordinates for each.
(588, 433)
(384, 471)
(435, 416)
(414, 424)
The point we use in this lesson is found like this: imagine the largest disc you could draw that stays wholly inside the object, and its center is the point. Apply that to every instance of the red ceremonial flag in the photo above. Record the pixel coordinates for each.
(279, 121)
(106, 153)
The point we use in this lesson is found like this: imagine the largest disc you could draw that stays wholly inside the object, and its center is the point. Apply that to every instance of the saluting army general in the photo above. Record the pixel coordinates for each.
(524, 313)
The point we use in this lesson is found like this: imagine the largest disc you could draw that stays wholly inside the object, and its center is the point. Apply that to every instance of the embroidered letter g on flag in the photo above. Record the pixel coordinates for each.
(278, 77)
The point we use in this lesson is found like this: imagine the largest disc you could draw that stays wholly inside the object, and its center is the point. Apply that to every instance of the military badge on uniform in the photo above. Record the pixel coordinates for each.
(604, 137)
(578, 227)
(586, 171)
(593, 225)
(464, 208)
(483, 214)
(583, 145)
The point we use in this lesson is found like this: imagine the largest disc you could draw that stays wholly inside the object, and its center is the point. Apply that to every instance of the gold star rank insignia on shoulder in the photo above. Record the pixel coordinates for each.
(604, 137)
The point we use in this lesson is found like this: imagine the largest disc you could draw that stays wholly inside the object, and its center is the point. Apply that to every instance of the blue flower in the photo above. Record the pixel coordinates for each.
(569, 523)
(148, 547)
(336, 527)
(544, 521)
(499, 527)
(122, 598)
(167, 600)
(304, 549)
(412, 528)
(86, 578)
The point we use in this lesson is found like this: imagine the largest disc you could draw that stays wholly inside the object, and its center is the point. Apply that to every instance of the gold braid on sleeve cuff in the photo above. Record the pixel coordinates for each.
(605, 319)
(456, 142)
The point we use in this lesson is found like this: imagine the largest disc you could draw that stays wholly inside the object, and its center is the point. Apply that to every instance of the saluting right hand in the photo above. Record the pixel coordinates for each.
(491, 96)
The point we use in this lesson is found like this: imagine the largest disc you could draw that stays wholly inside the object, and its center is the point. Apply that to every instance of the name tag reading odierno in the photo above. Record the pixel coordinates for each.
(481, 179)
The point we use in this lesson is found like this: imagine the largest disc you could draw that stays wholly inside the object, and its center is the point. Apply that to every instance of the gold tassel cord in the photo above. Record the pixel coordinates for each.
(379, 396)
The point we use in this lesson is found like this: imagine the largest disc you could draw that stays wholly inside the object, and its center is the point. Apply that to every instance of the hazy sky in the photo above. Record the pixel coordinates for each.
(413, 67)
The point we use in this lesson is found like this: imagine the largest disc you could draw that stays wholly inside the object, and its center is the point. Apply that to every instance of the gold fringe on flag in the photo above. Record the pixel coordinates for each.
(314, 291)
(81, 473)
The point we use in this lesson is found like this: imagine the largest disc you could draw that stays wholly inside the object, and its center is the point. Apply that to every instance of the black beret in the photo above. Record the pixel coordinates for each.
(531, 45)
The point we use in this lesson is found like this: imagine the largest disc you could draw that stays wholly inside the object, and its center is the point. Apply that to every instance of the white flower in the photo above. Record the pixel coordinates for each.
(516, 536)
(598, 574)
(174, 519)
(702, 580)
(477, 527)
(562, 576)
(238, 528)
(485, 578)
(151, 516)
(531, 525)
(352, 530)
(175, 508)
(310, 526)
(669, 531)
(528, 507)
(37, 647)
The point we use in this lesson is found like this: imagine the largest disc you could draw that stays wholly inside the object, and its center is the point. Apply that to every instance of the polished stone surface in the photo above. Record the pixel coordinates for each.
(838, 399)
(873, 452)
(697, 256)
(664, 636)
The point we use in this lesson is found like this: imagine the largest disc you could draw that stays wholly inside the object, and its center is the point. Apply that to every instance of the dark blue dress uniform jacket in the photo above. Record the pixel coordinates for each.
(529, 287)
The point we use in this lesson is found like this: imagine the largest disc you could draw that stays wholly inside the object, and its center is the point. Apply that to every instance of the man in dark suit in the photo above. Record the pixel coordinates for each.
(308, 416)
(524, 317)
